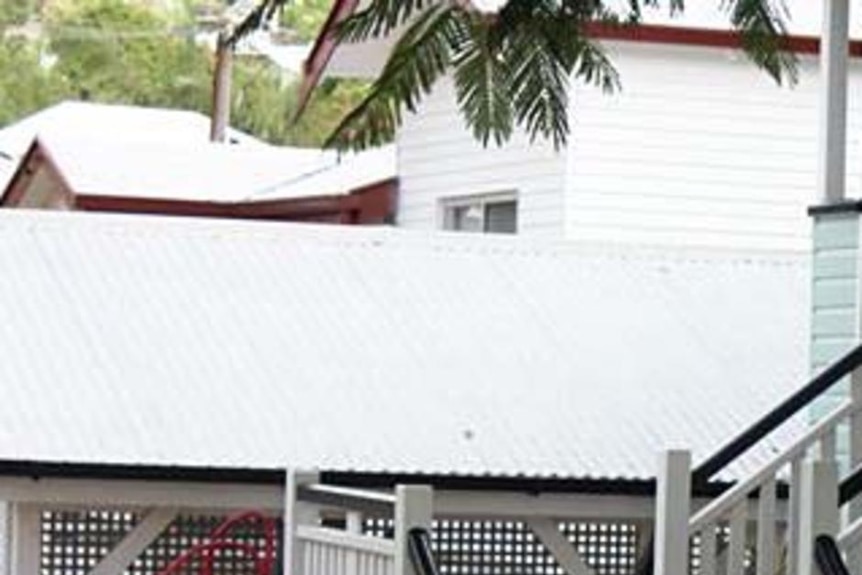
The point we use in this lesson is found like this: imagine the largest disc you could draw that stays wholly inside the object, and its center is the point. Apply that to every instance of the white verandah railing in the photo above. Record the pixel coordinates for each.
(313, 546)
(745, 530)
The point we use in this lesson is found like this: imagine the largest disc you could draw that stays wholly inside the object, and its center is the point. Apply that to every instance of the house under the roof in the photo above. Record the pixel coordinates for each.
(77, 171)
(699, 147)
(175, 364)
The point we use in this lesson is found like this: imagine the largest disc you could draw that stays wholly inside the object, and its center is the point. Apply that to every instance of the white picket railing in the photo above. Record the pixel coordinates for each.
(312, 548)
(722, 528)
(327, 551)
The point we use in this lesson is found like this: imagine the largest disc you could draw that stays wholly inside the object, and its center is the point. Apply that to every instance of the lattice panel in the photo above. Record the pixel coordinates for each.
(510, 548)
(73, 542)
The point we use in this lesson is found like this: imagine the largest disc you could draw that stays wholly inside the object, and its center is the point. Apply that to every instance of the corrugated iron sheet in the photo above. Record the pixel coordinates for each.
(254, 345)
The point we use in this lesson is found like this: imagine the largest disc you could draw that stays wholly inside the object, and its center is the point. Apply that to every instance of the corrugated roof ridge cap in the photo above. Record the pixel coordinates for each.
(386, 236)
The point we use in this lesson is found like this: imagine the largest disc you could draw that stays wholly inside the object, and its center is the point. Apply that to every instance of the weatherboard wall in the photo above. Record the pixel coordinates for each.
(439, 160)
(700, 147)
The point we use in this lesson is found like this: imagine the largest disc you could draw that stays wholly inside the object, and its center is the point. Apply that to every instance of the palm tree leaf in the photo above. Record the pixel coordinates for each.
(419, 58)
(762, 25)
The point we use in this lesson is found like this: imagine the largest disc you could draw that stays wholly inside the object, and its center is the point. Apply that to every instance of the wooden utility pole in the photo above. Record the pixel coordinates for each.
(220, 117)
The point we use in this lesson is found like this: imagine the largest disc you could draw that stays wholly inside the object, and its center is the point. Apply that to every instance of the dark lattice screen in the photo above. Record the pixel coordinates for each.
(510, 548)
(73, 542)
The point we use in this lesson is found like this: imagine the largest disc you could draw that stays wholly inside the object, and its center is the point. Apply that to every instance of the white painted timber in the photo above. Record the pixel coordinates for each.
(766, 528)
(563, 551)
(439, 159)
(336, 538)
(94, 492)
(699, 147)
(728, 500)
(818, 510)
(26, 539)
(672, 510)
(5, 539)
(736, 546)
(135, 542)
(833, 101)
(414, 508)
(296, 515)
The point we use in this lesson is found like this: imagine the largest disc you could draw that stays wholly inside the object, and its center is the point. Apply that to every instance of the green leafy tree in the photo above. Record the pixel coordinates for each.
(511, 66)
(302, 19)
(15, 12)
(115, 51)
(26, 85)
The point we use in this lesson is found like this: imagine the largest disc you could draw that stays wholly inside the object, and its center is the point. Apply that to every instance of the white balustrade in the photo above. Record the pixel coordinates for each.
(732, 534)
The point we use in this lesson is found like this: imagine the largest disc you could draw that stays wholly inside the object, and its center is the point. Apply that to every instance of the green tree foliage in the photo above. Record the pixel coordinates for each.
(115, 51)
(511, 66)
(25, 85)
(15, 12)
(302, 19)
(127, 51)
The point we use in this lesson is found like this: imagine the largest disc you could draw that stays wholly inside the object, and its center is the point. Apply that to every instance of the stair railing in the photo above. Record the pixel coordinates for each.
(724, 522)
(340, 546)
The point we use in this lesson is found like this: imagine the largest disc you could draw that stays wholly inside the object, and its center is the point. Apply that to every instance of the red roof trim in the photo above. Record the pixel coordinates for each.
(325, 44)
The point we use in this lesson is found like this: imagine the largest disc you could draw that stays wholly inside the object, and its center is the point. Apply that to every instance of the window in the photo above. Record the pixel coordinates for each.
(495, 214)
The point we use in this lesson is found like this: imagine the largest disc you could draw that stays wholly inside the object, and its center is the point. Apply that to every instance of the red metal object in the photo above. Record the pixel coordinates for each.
(219, 540)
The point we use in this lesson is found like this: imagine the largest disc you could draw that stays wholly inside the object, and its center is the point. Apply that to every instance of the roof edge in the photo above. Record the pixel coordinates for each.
(325, 44)
(203, 474)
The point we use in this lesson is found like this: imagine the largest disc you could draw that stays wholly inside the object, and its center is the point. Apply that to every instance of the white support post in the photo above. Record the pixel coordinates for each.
(673, 506)
(834, 48)
(559, 547)
(296, 513)
(5, 538)
(26, 539)
(818, 510)
(413, 508)
(133, 544)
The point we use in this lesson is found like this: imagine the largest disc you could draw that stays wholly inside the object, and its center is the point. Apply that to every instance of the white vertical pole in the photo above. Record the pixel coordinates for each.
(766, 528)
(295, 513)
(818, 510)
(834, 46)
(26, 539)
(673, 505)
(413, 508)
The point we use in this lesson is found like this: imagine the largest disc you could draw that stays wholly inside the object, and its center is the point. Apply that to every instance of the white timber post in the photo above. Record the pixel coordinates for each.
(834, 46)
(296, 513)
(26, 538)
(414, 507)
(818, 514)
(673, 505)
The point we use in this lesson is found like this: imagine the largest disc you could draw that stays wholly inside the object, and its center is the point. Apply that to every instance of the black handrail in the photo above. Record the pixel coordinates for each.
(419, 549)
(775, 418)
(701, 474)
(828, 557)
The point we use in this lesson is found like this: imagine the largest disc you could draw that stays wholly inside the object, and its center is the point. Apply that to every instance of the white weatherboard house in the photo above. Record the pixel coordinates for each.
(164, 371)
(699, 147)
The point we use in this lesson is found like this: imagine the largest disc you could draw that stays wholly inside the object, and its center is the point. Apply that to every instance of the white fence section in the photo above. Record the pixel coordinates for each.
(742, 530)
(323, 528)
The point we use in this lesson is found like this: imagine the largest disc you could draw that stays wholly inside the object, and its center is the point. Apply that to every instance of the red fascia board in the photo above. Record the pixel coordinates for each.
(322, 50)
(325, 43)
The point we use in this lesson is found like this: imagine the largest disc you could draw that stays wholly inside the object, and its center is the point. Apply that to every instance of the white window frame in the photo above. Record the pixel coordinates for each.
(478, 200)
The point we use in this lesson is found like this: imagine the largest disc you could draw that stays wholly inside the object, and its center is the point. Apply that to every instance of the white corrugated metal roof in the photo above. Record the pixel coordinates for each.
(210, 172)
(147, 340)
(112, 122)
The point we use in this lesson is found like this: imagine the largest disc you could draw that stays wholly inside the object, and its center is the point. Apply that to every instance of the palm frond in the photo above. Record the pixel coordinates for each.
(482, 84)
(378, 19)
(762, 26)
(418, 60)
